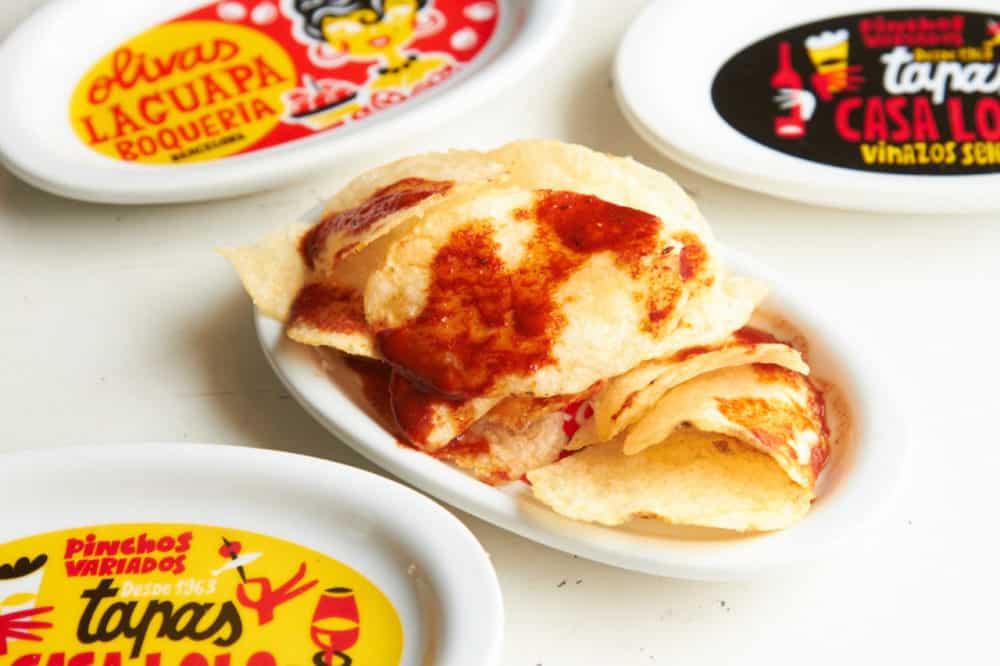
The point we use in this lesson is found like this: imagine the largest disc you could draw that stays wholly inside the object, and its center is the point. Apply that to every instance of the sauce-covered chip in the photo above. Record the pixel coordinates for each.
(545, 309)
(688, 478)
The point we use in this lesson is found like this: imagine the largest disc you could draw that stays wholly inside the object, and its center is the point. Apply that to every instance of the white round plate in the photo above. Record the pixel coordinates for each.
(402, 542)
(46, 57)
(855, 487)
(670, 57)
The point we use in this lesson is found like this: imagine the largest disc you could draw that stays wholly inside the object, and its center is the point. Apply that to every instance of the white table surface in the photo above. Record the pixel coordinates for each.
(120, 324)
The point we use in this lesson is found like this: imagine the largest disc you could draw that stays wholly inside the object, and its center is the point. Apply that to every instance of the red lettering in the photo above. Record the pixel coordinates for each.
(94, 139)
(149, 117)
(260, 109)
(894, 109)
(213, 90)
(208, 125)
(192, 102)
(147, 147)
(924, 126)
(108, 563)
(842, 119)
(193, 128)
(262, 659)
(83, 567)
(957, 121)
(168, 138)
(194, 659)
(988, 118)
(183, 542)
(128, 69)
(28, 660)
(265, 74)
(240, 74)
(126, 152)
(876, 127)
(227, 118)
(74, 546)
(124, 124)
(82, 659)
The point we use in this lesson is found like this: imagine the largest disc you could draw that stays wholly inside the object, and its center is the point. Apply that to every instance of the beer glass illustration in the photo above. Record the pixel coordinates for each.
(334, 626)
(829, 52)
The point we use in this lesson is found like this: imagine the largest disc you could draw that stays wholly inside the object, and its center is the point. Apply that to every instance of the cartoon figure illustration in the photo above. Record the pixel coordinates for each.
(266, 597)
(828, 52)
(993, 31)
(378, 30)
(335, 626)
(798, 103)
(19, 586)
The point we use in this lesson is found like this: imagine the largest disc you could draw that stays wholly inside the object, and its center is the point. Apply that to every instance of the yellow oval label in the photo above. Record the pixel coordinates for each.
(183, 92)
(228, 78)
(186, 595)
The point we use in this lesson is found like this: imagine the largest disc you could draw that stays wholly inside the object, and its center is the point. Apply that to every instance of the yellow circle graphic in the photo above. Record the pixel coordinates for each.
(186, 595)
(183, 92)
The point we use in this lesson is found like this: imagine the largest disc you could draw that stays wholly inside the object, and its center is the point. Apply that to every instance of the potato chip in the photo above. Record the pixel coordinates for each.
(772, 408)
(691, 478)
(497, 453)
(329, 310)
(621, 404)
(509, 291)
(378, 200)
(428, 420)
(271, 270)
(546, 164)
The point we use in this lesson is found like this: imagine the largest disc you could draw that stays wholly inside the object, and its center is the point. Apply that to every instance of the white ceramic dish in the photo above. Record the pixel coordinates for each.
(855, 488)
(38, 143)
(405, 544)
(675, 112)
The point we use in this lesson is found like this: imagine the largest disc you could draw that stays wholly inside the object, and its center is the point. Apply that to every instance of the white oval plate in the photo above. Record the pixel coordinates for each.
(404, 543)
(38, 144)
(855, 487)
(674, 112)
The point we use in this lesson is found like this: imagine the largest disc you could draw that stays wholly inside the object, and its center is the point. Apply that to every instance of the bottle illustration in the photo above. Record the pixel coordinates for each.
(790, 125)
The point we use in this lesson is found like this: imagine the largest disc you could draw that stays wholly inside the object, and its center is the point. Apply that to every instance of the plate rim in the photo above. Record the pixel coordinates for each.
(469, 598)
(536, 26)
(877, 485)
(801, 180)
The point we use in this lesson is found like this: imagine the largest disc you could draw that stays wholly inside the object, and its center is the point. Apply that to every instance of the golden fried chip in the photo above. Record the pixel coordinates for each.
(271, 270)
(497, 453)
(692, 478)
(622, 404)
(771, 408)
(378, 200)
(712, 316)
(546, 164)
(428, 420)
(508, 291)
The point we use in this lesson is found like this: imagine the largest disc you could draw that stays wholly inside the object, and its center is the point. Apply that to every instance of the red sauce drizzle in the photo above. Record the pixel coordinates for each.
(693, 255)
(483, 321)
(413, 408)
(374, 376)
(383, 202)
(328, 308)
